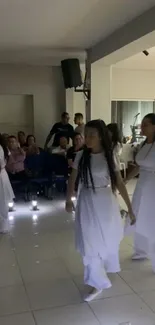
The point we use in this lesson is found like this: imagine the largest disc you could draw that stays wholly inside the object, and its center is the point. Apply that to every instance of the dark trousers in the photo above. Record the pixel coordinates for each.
(21, 176)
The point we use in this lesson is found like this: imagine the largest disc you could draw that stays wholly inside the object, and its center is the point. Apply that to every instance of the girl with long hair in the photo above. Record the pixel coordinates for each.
(143, 202)
(6, 192)
(98, 222)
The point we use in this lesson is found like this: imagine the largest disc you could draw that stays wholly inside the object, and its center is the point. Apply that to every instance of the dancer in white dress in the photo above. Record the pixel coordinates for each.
(116, 141)
(144, 196)
(98, 222)
(6, 192)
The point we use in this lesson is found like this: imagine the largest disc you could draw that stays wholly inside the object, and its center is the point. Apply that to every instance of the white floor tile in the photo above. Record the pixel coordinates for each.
(114, 311)
(52, 270)
(13, 300)
(53, 294)
(41, 255)
(149, 298)
(34, 249)
(70, 315)
(10, 275)
(139, 280)
(21, 319)
(74, 264)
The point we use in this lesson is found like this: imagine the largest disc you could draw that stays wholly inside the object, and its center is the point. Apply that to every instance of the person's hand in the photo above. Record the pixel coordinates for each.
(69, 206)
(132, 218)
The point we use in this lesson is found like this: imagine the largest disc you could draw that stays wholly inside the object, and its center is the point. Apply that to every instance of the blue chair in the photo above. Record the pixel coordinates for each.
(38, 173)
(58, 172)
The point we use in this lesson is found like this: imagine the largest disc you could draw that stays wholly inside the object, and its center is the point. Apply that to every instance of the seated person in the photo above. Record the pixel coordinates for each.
(35, 158)
(21, 139)
(31, 147)
(78, 120)
(15, 162)
(78, 142)
(62, 148)
(5, 137)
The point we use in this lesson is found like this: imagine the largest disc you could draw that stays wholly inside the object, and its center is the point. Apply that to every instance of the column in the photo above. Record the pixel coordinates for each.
(101, 77)
(70, 104)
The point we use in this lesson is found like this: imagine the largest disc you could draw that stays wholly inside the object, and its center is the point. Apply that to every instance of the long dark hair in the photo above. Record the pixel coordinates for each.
(4, 146)
(84, 170)
(116, 135)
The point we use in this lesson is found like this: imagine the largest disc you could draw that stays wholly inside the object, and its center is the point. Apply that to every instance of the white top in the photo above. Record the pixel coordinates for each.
(117, 153)
(99, 168)
(2, 158)
(59, 150)
(145, 158)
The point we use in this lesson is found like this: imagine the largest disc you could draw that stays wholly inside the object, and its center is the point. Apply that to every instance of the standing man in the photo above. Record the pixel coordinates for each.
(78, 120)
(60, 129)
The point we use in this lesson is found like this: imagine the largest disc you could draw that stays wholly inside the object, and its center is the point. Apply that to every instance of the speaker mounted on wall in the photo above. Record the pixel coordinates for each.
(71, 73)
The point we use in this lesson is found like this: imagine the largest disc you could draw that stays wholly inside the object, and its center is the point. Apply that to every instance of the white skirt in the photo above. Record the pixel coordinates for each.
(6, 193)
(98, 224)
(143, 204)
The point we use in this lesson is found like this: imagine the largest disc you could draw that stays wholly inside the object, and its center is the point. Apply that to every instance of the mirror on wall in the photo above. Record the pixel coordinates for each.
(129, 114)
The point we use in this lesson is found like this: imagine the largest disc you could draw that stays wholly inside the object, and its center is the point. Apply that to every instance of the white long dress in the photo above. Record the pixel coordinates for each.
(117, 153)
(98, 225)
(144, 204)
(6, 193)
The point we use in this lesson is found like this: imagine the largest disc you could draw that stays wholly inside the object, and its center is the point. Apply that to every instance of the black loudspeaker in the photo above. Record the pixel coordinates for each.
(71, 73)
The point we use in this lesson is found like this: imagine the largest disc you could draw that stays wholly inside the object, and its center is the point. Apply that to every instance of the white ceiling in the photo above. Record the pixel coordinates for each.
(30, 30)
(139, 61)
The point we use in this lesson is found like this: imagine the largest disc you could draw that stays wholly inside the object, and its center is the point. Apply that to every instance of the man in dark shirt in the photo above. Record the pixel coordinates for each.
(60, 129)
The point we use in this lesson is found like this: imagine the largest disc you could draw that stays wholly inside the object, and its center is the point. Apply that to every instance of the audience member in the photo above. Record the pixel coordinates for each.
(116, 141)
(63, 146)
(78, 120)
(59, 129)
(15, 163)
(35, 158)
(21, 139)
(31, 147)
(78, 142)
(5, 137)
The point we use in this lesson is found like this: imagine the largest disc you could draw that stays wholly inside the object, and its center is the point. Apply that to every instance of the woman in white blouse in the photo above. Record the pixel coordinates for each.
(116, 141)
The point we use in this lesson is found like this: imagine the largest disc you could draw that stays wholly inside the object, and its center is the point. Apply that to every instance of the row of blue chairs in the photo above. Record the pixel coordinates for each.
(46, 174)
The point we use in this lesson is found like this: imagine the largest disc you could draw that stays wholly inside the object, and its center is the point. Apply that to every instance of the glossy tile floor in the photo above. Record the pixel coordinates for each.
(41, 275)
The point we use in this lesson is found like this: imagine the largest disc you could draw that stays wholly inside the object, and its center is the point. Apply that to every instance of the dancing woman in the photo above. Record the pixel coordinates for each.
(6, 192)
(143, 202)
(98, 222)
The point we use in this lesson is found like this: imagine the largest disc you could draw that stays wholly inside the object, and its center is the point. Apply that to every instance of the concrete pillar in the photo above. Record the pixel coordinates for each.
(101, 77)
(70, 104)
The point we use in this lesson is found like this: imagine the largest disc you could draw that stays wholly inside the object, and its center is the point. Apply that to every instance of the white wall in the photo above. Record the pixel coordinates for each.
(16, 113)
(133, 84)
(101, 77)
(46, 86)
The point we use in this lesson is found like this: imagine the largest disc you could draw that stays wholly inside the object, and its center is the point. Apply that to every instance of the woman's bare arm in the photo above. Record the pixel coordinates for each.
(71, 185)
(70, 163)
(134, 172)
(123, 191)
(70, 190)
